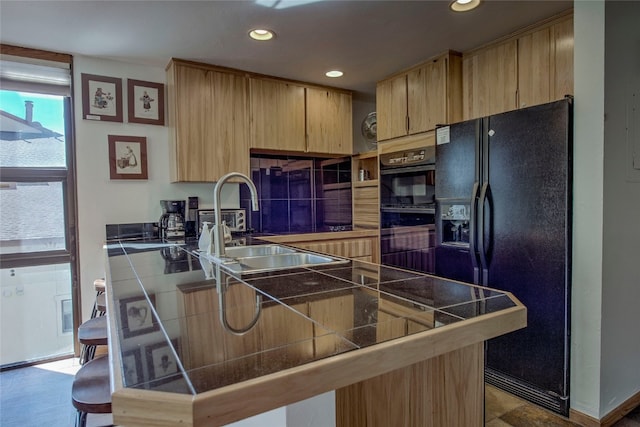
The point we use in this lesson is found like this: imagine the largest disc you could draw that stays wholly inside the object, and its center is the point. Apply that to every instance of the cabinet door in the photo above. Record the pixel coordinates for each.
(188, 119)
(391, 107)
(228, 134)
(366, 207)
(329, 122)
(490, 81)
(562, 36)
(534, 68)
(277, 115)
(209, 123)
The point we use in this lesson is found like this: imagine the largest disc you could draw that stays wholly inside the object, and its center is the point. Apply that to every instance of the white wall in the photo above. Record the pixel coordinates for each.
(586, 299)
(102, 201)
(606, 260)
(620, 354)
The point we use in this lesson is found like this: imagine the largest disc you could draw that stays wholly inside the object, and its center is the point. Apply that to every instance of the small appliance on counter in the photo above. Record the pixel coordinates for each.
(235, 219)
(171, 221)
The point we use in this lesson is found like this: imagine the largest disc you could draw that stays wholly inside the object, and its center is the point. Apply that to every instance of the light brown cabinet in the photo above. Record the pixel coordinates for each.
(545, 64)
(366, 197)
(329, 121)
(530, 68)
(277, 115)
(290, 117)
(208, 122)
(421, 98)
(490, 80)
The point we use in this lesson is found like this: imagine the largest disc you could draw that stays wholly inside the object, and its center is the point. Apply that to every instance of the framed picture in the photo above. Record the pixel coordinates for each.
(127, 157)
(136, 316)
(132, 367)
(161, 362)
(146, 102)
(101, 98)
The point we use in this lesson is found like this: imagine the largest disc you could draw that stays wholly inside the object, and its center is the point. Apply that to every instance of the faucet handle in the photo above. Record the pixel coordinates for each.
(226, 232)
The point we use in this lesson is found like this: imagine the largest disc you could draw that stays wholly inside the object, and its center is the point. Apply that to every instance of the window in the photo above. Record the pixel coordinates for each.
(37, 209)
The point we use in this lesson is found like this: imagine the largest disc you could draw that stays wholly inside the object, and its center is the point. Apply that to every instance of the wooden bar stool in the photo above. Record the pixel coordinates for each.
(91, 334)
(91, 390)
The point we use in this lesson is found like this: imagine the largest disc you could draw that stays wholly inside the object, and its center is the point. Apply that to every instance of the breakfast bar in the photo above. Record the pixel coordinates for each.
(195, 344)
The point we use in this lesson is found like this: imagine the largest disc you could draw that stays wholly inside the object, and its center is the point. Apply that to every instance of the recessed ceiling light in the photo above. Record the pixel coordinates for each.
(464, 5)
(334, 73)
(261, 34)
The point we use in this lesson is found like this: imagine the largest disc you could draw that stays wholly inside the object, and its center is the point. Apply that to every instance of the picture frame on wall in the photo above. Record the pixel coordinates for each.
(127, 157)
(162, 365)
(136, 316)
(146, 102)
(101, 98)
(132, 367)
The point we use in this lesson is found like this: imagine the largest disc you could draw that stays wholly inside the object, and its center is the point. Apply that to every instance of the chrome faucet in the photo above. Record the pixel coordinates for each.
(218, 230)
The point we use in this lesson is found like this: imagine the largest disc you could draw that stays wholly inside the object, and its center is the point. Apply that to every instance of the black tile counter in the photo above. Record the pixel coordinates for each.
(180, 324)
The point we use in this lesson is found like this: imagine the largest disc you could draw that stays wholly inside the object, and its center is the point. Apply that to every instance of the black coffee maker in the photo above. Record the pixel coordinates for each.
(171, 222)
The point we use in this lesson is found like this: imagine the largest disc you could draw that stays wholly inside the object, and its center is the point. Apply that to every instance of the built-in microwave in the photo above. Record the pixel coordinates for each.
(234, 218)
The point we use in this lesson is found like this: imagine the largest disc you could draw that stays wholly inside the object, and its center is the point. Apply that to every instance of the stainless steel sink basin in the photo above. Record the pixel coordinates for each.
(258, 250)
(278, 261)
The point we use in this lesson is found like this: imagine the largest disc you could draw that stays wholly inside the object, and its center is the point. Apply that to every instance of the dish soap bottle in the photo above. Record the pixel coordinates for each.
(204, 242)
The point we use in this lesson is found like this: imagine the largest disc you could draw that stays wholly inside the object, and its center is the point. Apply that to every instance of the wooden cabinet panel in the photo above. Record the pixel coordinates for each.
(490, 81)
(391, 107)
(208, 123)
(534, 68)
(329, 123)
(366, 207)
(364, 249)
(277, 115)
(562, 83)
(545, 64)
(418, 100)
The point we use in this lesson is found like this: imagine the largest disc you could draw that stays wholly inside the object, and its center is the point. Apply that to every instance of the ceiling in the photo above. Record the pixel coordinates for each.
(367, 40)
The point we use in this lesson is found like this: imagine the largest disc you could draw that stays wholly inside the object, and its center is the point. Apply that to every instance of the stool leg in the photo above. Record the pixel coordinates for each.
(81, 419)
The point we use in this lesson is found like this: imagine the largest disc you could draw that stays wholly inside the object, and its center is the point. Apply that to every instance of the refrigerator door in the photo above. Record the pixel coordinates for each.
(457, 169)
(526, 232)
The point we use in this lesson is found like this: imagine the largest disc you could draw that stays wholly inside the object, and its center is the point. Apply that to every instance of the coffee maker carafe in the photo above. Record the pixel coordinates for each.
(171, 222)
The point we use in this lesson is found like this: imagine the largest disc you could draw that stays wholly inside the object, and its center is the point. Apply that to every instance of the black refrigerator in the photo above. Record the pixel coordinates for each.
(503, 220)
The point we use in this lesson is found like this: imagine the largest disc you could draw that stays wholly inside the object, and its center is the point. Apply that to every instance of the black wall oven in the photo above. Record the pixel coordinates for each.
(407, 209)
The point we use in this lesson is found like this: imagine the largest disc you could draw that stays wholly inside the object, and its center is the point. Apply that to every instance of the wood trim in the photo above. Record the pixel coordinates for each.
(611, 418)
(26, 52)
(426, 139)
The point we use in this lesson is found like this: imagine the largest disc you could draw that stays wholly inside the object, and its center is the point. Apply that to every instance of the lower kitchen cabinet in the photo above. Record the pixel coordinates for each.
(361, 244)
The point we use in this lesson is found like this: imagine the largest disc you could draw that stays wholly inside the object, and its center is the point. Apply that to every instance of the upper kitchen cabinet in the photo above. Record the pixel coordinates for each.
(490, 80)
(417, 100)
(291, 117)
(208, 122)
(545, 64)
(329, 121)
(533, 66)
(277, 115)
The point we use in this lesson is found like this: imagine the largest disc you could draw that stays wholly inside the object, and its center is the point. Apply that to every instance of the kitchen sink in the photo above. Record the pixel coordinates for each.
(266, 258)
(256, 251)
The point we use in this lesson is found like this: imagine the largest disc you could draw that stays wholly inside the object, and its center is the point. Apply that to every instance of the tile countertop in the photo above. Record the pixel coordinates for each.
(175, 329)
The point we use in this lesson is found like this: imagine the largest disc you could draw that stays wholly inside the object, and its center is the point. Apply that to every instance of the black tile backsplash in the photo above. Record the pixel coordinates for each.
(138, 230)
(299, 194)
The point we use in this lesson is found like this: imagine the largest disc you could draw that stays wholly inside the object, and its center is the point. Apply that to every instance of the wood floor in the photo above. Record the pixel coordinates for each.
(41, 396)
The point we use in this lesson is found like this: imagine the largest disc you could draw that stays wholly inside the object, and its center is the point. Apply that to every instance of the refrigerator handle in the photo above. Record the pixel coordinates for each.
(472, 234)
(481, 248)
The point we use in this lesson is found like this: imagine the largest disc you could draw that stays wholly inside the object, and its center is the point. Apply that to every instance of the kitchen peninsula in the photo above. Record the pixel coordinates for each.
(192, 345)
